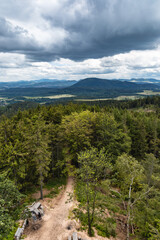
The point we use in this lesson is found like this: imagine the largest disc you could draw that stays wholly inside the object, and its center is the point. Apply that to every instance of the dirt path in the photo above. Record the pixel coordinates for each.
(55, 220)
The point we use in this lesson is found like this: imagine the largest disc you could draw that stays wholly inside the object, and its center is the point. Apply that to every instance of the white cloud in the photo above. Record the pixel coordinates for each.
(128, 65)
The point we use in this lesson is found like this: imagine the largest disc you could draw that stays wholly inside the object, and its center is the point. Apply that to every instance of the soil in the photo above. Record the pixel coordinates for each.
(55, 224)
(37, 195)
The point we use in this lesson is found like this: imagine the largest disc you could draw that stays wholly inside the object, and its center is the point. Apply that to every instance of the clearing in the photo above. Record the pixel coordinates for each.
(52, 97)
(148, 93)
(55, 224)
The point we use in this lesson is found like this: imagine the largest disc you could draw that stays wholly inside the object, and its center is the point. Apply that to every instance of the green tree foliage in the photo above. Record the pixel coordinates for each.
(152, 169)
(139, 191)
(111, 135)
(13, 155)
(153, 135)
(138, 134)
(39, 149)
(9, 200)
(92, 170)
(148, 209)
(155, 231)
(42, 142)
(130, 175)
(76, 132)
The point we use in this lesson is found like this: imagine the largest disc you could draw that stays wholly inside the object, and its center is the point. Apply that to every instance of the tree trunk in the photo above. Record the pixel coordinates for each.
(128, 222)
(89, 218)
(52, 161)
(41, 185)
(89, 229)
(93, 208)
(129, 208)
(41, 190)
(88, 211)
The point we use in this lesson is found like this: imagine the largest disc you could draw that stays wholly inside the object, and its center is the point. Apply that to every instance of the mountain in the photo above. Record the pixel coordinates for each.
(42, 83)
(104, 84)
(96, 87)
(85, 88)
(97, 83)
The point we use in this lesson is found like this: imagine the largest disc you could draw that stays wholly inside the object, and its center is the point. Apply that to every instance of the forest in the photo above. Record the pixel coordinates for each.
(113, 150)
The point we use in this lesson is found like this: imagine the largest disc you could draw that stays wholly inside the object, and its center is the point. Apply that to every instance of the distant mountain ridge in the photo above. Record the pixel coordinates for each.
(54, 83)
(98, 83)
(102, 88)
(46, 83)
(85, 88)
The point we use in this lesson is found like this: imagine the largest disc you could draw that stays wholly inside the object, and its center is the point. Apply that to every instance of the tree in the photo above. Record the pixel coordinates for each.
(9, 200)
(138, 135)
(76, 132)
(152, 169)
(13, 155)
(92, 170)
(38, 145)
(153, 134)
(57, 163)
(111, 135)
(146, 207)
(130, 174)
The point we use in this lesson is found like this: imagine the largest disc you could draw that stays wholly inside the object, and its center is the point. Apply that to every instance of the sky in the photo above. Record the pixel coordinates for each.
(75, 39)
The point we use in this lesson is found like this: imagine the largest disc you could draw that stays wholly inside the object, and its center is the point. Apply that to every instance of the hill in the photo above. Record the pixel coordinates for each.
(98, 83)
(49, 90)
(96, 87)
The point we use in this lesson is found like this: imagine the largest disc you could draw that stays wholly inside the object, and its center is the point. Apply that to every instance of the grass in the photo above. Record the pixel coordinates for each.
(106, 228)
(54, 186)
(55, 182)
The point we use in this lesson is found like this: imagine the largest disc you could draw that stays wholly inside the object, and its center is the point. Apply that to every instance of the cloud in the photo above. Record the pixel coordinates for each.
(78, 29)
(137, 64)
(15, 39)
(103, 28)
(70, 39)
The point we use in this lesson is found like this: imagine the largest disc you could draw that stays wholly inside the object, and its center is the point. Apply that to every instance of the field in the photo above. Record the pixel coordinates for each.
(148, 93)
(52, 97)
(41, 98)
(106, 99)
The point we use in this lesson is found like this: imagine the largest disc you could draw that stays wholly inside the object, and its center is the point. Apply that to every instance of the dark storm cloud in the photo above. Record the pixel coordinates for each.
(15, 38)
(110, 27)
(93, 29)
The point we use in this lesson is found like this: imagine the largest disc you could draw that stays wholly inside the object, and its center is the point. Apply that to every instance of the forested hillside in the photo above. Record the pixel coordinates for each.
(118, 147)
(50, 91)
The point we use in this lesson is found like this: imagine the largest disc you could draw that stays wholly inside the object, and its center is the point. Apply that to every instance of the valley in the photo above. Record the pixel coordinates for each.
(90, 89)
